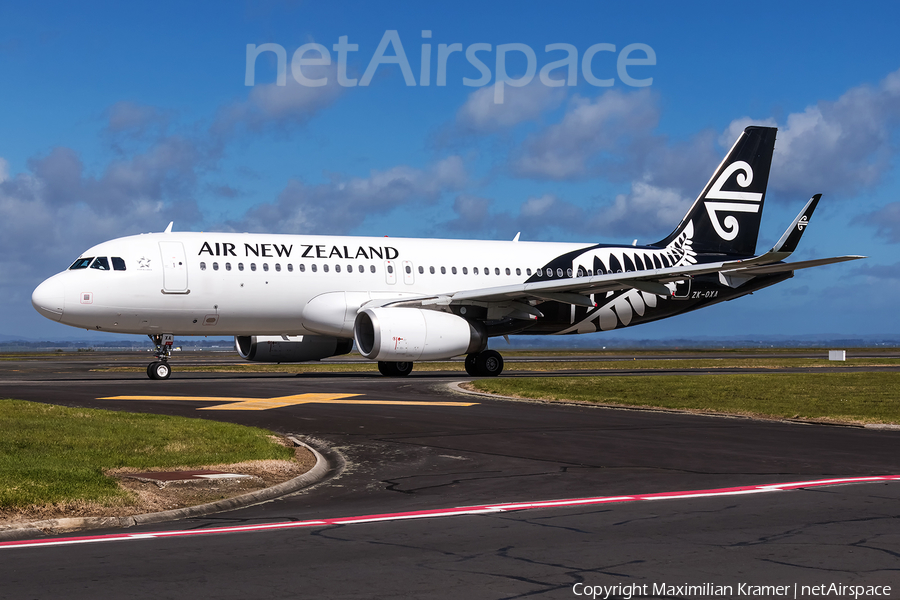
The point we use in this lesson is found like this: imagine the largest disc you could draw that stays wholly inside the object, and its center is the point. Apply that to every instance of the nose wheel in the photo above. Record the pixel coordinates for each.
(160, 369)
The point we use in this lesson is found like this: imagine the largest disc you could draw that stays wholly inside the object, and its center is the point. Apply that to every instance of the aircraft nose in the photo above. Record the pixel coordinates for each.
(49, 298)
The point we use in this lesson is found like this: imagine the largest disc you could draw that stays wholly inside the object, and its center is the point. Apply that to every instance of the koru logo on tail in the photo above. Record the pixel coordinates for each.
(748, 202)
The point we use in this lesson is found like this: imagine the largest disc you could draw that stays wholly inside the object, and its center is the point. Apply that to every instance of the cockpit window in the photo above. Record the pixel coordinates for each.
(81, 263)
(118, 263)
(101, 263)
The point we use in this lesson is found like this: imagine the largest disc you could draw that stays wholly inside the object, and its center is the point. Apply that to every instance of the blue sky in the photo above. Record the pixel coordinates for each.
(116, 118)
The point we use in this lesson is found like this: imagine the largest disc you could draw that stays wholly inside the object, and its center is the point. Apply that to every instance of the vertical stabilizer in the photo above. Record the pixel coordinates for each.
(725, 218)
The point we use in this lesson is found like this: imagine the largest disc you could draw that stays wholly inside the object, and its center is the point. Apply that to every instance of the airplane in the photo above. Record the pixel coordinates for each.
(296, 298)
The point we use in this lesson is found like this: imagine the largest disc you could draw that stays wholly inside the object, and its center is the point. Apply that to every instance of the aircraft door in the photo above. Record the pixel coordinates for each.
(174, 267)
(409, 277)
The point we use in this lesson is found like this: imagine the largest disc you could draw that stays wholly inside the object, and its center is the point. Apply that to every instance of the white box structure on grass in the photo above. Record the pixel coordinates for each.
(837, 355)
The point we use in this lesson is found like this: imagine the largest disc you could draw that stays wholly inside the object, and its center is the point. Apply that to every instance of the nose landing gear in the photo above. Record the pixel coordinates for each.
(160, 369)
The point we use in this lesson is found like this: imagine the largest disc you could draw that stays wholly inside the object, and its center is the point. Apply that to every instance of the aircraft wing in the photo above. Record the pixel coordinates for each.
(577, 290)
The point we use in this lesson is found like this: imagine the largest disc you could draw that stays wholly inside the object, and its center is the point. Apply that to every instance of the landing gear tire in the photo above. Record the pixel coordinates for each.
(159, 370)
(484, 364)
(395, 369)
(489, 363)
(471, 364)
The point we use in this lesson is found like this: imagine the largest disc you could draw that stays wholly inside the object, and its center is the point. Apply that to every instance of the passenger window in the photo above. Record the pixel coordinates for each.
(518, 271)
(265, 266)
(487, 270)
(568, 272)
(350, 269)
(507, 271)
(475, 270)
(227, 266)
(465, 270)
(421, 270)
(362, 269)
(202, 266)
(215, 266)
(313, 267)
(372, 268)
(252, 266)
(302, 268)
(81, 263)
(240, 266)
(431, 270)
(453, 270)
(390, 269)
(528, 272)
(278, 267)
(118, 263)
(558, 272)
(496, 270)
(443, 270)
(100, 263)
(325, 268)
(337, 268)
(290, 268)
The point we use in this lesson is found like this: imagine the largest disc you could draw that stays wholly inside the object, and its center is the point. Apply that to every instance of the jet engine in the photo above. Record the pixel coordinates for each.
(409, 334)
(296, 348)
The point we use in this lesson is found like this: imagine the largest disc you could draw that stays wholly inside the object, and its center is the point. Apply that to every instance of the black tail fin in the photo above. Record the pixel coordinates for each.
(725, 218)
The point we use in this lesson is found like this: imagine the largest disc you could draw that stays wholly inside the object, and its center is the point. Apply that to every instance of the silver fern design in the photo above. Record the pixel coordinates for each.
(621, 307)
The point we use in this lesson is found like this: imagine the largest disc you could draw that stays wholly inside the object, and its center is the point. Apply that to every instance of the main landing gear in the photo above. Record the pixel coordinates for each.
(395, 369)
(482, 364)
(160, 369)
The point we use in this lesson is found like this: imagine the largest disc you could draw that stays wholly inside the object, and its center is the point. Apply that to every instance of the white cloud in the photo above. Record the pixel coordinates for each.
(645, 212)
(480, 114)
(594, 136)
(343, 203)
(270, 105)
(835, 146)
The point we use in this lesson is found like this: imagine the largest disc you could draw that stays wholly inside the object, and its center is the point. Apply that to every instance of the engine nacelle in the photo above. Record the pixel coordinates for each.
(297, 348)
(409, 334)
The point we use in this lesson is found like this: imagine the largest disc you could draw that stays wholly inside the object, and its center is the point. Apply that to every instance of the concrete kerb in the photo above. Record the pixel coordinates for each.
(55, 526)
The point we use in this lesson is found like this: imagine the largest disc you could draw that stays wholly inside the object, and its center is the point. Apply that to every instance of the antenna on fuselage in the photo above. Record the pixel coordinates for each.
(169, 228)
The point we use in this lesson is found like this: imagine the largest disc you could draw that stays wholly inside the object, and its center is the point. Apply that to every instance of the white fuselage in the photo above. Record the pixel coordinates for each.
(266, 284)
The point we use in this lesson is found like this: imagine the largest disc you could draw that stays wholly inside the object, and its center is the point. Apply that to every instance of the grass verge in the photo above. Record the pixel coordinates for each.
(57, 455)
(837, 397)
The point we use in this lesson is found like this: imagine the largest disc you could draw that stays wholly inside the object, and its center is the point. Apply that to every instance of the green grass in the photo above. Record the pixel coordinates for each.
(844, 397)
(53, 454)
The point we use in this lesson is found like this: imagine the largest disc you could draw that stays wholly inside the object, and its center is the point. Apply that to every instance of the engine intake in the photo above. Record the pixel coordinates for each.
(409, 334)
(300, 348)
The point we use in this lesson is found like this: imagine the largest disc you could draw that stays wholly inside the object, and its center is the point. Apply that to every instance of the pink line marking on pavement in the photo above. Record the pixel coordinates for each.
(450, 512)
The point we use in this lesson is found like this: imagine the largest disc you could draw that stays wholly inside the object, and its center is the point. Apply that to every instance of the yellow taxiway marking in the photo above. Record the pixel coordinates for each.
(281, 401)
